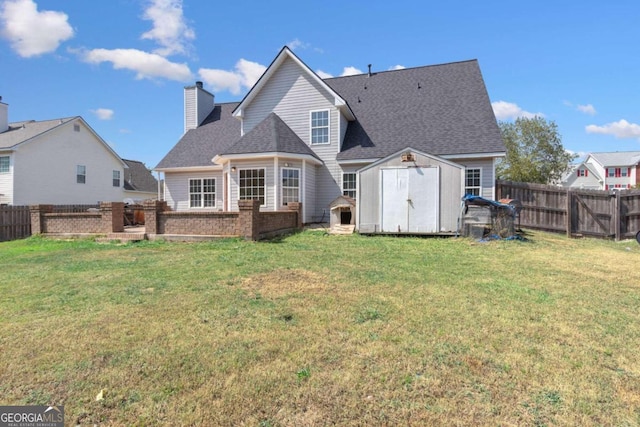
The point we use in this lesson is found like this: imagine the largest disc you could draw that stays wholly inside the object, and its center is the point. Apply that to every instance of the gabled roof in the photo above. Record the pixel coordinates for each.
(272, 135)
(138, 178)
(438, 109)
(198, 146)
(27, 131)
(285, 53)
(617, 158)
(570, 175)
(20, 132)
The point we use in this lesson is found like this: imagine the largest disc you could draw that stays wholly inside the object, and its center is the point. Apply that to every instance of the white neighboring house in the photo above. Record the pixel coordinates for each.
(605, 171)
(61, 161)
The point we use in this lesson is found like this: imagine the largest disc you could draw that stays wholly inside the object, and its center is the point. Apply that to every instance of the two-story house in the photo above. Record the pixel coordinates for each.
(64, 161)
(605, 171)
(399, 143)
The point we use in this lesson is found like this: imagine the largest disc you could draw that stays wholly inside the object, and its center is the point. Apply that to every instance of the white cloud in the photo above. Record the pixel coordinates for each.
(170, 29)
(621, 129)
(298, 44)
(103, 113)
(350, 71)
(244, 76)
(509, 111)
(587, 109)
(397, 67)
(323, 75)
(30, 32)
(146, 65)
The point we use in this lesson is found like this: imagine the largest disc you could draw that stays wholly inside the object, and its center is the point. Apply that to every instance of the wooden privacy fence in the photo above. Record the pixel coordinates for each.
(15, 222)
(576, 212)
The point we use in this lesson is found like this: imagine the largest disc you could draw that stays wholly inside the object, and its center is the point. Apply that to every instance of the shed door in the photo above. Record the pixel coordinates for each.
(410, 199)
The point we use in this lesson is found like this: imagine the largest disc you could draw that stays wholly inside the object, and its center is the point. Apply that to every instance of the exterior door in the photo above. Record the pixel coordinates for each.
(410, 200)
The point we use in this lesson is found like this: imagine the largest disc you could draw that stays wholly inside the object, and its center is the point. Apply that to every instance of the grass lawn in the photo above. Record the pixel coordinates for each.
(316, 330)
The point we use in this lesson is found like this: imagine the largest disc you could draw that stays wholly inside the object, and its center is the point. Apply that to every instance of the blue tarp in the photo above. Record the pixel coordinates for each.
(470, 199)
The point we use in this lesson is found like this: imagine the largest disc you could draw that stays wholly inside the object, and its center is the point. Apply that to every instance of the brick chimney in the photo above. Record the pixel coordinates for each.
(198, 104)
(4, 116)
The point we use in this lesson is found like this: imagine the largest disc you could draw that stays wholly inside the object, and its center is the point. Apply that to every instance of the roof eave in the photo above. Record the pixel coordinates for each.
(222, 159)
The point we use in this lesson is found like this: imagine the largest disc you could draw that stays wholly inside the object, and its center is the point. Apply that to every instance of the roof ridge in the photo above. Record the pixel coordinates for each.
(373, 73)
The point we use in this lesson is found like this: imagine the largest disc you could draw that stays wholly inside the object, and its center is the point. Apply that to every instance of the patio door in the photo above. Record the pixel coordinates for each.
(410, 200)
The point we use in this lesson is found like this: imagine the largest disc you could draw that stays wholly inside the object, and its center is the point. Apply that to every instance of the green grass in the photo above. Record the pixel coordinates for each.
(324, 330)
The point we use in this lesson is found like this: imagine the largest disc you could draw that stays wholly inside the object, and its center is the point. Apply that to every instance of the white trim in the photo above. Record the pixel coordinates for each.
(282, 187)
(211, 168)
(463, 156)
(223, 159)
(276, 187)
(355, 174)
(320, 127)
(479, 187)
(358, 161)
(202, 193)
(412, 150)
(303, 191)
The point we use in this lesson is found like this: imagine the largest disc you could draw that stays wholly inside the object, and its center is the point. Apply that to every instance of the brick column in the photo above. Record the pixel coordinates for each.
(112, 217)
(296, 206)
(38, 225)
(248, 219)
(152, 210)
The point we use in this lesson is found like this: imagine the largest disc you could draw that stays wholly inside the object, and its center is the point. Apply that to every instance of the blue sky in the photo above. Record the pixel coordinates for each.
(122, 64)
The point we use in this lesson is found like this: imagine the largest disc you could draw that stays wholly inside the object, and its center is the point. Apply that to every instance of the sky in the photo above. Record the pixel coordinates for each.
(122, 64)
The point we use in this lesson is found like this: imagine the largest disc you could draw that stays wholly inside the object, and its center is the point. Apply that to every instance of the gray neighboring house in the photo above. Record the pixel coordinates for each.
(139, 183)
(406, 145)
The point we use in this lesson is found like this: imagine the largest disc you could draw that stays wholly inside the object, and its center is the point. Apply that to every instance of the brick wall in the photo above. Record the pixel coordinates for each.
(72, 223)
(53, 219)
(198, 223)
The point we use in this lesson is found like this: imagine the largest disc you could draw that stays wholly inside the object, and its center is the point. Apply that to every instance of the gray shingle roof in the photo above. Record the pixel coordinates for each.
(270, 135)
(198, 146)
(617, 158)
(438, 109)
(139, 178)
(20, 132)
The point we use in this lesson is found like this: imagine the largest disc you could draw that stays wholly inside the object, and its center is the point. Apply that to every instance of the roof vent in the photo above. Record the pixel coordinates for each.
(199, 84)
(369, 74)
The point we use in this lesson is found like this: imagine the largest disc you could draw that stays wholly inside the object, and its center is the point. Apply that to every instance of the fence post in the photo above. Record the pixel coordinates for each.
(617, 205)
(112, 217)
(152, 211)
(38, 225)
(248, 219)
(297, 207)
(569, 219)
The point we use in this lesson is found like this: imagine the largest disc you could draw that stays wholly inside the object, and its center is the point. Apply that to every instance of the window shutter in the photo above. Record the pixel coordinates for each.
(629, 172)
(586, 172)
(617, 172)
(578, 172)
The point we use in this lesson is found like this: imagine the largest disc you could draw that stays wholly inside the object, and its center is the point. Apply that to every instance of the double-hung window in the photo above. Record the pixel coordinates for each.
(472, 181)
(252, 185)
(4, 164)
(320, 127)
(290, 185)
(81, 174)
(202, 193)
(116, 178)
(349, 184)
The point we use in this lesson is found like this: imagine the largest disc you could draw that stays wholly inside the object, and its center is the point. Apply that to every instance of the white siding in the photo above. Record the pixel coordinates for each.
(177, 189)
(6, 182)
(45, 169)
(309, 199)
(292, 94)
(190, 107)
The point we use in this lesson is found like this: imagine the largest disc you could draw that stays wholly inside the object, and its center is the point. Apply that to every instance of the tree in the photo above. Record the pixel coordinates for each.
(534, 151)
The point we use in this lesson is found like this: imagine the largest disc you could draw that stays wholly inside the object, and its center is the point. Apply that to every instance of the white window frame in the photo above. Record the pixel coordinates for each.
(115, 178)
(201, 193)
(81, 171)
(348, 191)
(263, 199)
(312, 127)
(7, 164)
(288, 187)
(473, 187)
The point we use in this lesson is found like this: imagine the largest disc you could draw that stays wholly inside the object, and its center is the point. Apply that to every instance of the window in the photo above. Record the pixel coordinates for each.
(81, 174)
(626, 172)
(116, 178)
(76, 127)
(202, 193)
(583, 172)
(290, 186)
(4, 164)
(349, 184)
(472, 182)
(252, 184)
(611, 172)
(320, 127)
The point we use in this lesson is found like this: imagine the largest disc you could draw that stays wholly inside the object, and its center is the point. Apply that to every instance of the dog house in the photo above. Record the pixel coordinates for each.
(343, 212)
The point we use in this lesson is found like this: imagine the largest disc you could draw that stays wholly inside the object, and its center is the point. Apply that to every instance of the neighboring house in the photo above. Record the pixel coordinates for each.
(397, 142)
(605, 171)
(139, 184)
(62, 161)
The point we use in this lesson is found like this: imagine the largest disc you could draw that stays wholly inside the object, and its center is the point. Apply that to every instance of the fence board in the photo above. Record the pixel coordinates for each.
(15, 222)
(574, 211)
